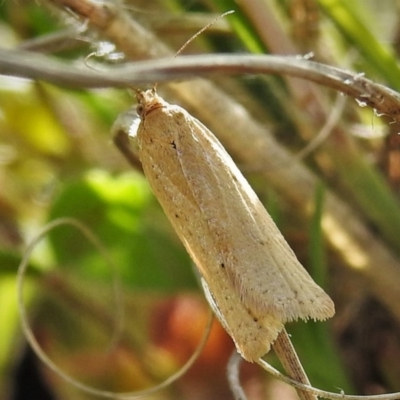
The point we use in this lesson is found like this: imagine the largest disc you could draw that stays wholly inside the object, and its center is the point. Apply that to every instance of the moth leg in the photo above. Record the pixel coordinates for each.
(121, 141)
(121, 133)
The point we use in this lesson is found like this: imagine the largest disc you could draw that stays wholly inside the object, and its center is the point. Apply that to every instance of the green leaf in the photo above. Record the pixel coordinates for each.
(121, 211)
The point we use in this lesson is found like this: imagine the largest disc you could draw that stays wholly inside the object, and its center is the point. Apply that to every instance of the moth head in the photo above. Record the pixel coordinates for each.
(148, 100)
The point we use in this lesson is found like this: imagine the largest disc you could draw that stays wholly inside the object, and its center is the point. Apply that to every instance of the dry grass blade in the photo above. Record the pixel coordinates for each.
(286, 353)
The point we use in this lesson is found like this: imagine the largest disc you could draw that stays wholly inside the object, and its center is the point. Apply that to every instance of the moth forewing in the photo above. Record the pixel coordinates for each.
(252, 336)
(257, 259)
(254, 278)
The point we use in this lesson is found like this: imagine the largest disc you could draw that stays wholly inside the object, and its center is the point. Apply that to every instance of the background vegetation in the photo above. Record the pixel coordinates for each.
(337, 205)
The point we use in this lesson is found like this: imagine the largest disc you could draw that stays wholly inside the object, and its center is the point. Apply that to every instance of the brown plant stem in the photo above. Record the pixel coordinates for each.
(287, 355)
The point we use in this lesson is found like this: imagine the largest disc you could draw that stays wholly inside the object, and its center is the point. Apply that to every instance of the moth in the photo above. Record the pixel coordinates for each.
(251, 276)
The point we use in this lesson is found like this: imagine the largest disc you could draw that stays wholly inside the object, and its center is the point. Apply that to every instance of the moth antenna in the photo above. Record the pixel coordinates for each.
(202, 30)
(198, 34)
(30, 337)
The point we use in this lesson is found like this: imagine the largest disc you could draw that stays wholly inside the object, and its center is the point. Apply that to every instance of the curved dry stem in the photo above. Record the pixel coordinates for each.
(36, 66)
(43, 356)
(233, 375)
(288, 357)
(322, 393)
(325, 131)
(94, 240)
(237, 390)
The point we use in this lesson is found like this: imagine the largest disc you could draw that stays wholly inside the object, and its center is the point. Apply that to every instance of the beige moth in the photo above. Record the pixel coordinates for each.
(251, 276)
